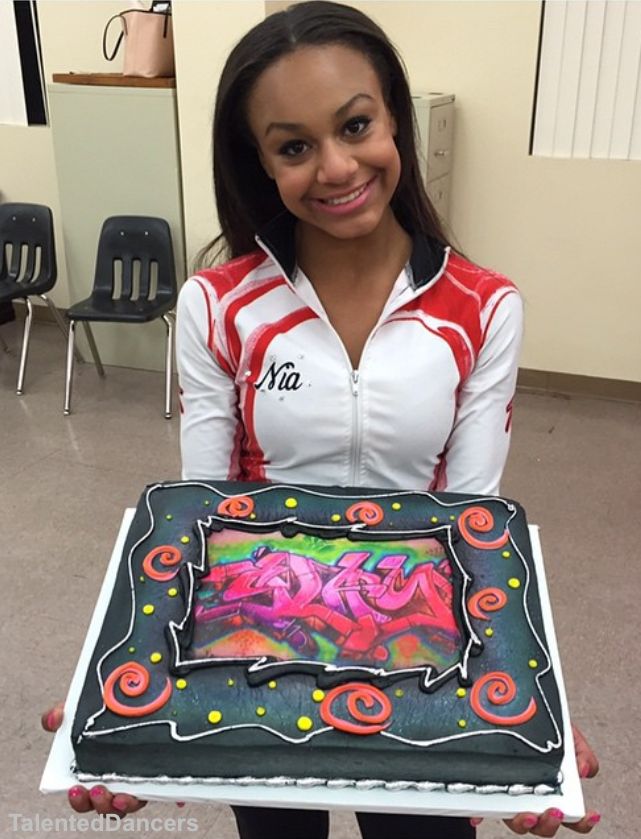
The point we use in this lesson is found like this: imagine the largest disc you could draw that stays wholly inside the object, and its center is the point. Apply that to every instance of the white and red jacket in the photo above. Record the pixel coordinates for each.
(268, 391)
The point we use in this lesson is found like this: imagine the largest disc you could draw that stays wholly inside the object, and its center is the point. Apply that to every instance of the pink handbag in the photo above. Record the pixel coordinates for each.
(149, 43)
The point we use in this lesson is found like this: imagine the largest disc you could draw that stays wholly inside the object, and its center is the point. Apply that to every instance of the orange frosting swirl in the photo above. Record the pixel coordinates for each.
(486, 600)
(238, 506)
(501, 689)
(166, 555)
(367, 512)
(133, 680)
(360, 696)
(481, 520)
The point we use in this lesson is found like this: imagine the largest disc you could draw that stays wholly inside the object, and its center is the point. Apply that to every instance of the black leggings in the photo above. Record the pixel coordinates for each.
(272, 823)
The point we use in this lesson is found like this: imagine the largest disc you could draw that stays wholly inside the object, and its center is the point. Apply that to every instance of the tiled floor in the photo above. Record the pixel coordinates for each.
(64, 482)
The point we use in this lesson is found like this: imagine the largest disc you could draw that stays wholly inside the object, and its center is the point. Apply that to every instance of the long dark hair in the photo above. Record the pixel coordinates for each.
(246, 197)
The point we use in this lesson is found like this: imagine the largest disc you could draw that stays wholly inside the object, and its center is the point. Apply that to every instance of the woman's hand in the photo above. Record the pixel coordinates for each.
(549, 822)
(97, 798)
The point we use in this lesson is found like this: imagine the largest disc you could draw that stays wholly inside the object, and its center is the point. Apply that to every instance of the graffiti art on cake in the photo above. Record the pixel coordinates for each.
(306, 598)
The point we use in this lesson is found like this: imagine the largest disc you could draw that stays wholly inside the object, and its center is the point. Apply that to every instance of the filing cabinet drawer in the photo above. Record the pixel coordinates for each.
(440, 141)
(439, 194)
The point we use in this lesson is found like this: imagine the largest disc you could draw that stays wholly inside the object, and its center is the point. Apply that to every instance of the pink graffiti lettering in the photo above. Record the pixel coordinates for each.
(288, 595)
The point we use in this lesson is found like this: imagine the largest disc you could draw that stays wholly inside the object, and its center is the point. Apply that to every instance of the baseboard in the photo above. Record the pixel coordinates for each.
(570, 384)
(533, 381)
(41, 311)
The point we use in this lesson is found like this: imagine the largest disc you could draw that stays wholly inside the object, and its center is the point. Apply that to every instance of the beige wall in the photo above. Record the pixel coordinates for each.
(204, 33)
(566, 231)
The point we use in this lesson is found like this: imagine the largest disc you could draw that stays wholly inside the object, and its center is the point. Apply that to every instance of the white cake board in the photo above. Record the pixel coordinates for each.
(58, 777)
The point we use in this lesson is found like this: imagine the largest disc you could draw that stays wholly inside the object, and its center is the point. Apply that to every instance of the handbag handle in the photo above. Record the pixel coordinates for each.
(118, 42)
(152, 10)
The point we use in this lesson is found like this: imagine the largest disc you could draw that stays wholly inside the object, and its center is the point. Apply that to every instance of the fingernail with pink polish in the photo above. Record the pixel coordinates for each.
(595, 818)
(180, 803)
(96, 792)
(51, 720)
(119, 802)
(530, 821)
(585, 771)
(75, 792)
(557, 814)
(475, 822)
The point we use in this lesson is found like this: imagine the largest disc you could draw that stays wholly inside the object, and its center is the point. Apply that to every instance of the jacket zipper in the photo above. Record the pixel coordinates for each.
(355, 452)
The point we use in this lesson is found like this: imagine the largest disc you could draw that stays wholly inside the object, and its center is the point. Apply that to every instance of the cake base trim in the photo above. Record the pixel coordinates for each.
(330, 783)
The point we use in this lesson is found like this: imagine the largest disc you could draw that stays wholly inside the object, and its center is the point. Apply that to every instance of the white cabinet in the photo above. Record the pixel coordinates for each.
(117, 153)
(435, 118)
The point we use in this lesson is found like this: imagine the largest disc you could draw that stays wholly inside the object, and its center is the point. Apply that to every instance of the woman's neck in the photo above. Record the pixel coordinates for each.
(385, 250)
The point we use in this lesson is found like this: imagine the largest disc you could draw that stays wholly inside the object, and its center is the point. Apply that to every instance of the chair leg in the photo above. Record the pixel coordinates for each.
(61, 324)
(94, 349)
(169, 357)
(25, 347)
(69, 367)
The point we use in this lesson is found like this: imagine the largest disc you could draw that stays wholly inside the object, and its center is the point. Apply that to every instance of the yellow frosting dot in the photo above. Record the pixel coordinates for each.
(172, 592)
(489, 632)
(169, 517)
(260, 711)
(181, 684)
(271, 684)
(318, 695)
(514, 583)
(304, 723)
(252, 515)
(506, 554)
(185, 540)
(141, 578)
(434, 519)
(291, 503)
(533, 663)
(132, 649)
(148, 609)
(462, 724)
(230, 683)
(155, 658)
(461, 692)
(452, 518)
(399, 692)
(214, 717)
(335, 517)
(396, 506)
(207, 503)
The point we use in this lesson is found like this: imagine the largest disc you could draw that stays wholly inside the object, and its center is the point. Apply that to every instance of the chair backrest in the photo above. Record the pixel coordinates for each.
(27, 249)
(135, 260)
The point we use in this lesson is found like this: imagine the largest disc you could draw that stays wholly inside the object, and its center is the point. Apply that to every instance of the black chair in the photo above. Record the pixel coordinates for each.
(27, 265)
(134, 282)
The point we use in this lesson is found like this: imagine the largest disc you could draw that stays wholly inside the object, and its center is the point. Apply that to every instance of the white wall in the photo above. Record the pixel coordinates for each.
(566, 231)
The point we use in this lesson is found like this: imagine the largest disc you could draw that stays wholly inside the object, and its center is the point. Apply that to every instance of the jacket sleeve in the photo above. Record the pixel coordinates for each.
(208, 398)
(478, 445)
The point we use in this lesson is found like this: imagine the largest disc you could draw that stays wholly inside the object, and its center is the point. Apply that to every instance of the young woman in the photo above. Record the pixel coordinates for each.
(344, 342)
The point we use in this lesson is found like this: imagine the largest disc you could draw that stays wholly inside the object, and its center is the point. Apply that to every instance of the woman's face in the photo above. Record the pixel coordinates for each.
(326, 137)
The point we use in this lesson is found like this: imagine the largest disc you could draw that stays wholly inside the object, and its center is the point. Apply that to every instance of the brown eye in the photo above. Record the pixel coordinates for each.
(356, 126)
(294, 148)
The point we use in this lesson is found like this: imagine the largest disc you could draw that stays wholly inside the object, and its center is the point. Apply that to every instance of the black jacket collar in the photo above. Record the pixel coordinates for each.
(278, 237)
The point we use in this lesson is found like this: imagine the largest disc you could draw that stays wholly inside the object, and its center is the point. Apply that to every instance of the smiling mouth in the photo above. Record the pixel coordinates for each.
(345, 199)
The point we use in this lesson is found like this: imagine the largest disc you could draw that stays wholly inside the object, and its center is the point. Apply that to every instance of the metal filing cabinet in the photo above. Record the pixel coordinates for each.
(435, 118)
